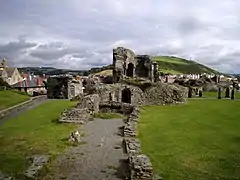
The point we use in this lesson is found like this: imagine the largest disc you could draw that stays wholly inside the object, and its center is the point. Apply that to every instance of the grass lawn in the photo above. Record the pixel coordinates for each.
(196, 141)
(215, 94)
(10, 98)
(35, 132)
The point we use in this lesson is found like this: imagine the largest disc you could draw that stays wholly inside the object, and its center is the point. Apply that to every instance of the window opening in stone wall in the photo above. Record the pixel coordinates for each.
(126, 96)
(141, 70)
(130, 70)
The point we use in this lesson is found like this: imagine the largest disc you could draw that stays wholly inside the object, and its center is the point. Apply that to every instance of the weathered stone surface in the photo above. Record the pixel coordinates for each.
(165, 94)
(90, 103)
(75, 137)
(38, 162)
(74, 115)
(140, 167)
(132, 145)
(130, 129)
(5, 177)
(126, 63)
(116, 107)
(103, 90)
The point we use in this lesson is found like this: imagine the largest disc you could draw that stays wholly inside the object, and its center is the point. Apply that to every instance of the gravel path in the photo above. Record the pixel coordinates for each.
(101, 157)
(20, 111)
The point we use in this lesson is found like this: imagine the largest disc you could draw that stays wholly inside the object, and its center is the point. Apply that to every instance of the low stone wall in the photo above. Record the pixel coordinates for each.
(140, 165)
(115, 107)
(17, 107)
(74, 115)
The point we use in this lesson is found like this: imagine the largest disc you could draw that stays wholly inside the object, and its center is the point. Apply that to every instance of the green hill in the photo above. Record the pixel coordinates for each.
(175, 65)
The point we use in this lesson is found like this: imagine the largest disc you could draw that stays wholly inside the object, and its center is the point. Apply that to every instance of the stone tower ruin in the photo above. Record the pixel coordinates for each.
(127, 64)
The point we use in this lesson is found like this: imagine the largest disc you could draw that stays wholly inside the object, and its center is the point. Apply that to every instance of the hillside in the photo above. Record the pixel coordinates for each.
(50, 71)
(175, 65)
(167, 65)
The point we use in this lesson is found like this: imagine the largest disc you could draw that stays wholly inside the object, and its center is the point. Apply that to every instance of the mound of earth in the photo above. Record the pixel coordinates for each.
(165, 94)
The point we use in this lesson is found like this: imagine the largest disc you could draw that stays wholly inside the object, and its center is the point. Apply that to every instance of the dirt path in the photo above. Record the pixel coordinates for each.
(20, 111)
(101, 157)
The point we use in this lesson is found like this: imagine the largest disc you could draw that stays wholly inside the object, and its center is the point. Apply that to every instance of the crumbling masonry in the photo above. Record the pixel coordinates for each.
(126, 63)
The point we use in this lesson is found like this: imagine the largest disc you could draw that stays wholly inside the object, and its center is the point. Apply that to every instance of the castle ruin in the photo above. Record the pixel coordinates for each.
(127, 64)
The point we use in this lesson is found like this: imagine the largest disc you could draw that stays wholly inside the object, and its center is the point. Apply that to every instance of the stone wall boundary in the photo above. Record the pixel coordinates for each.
(140, 165)
(17, 107)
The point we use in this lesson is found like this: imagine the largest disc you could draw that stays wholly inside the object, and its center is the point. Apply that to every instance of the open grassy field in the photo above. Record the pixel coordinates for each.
(199, 140)
(175, 65)
(35, 132)
(10, 98)
(215, 94)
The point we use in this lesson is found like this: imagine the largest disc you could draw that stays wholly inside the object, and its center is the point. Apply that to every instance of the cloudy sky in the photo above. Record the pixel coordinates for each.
(80, 34)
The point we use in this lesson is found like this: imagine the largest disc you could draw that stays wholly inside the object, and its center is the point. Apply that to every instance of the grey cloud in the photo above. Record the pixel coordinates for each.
(15, 46)
(81, 34)
(189, 25)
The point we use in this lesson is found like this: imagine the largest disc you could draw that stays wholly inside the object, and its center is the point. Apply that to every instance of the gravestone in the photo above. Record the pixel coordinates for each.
(197, 91)
(200, 93)
(219, 93)
(227, 93)
(232, 93)
(189, 92)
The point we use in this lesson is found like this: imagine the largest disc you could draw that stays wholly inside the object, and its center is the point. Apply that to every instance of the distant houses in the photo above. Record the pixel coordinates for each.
(33, 85)
(9, 74)
(30, 84)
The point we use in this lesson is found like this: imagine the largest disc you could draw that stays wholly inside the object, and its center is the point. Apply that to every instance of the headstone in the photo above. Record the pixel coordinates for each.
(232, 94)
(189, 92)
(219, 93)
(200, 93)
(197, 91)
(227, 93)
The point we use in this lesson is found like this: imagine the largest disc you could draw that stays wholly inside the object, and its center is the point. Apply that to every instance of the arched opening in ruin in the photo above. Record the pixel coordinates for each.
(126, 95)
(141, 70)
(130, 68)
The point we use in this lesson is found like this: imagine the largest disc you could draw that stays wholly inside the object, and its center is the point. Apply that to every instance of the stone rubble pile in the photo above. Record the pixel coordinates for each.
(75, 137)
(162, 94)
(5, 177)
(38, 163)
(74, 115)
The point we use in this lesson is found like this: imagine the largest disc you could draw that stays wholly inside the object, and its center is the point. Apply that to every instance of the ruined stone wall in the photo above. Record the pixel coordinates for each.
(74, 89)
(140, 165)
(122, 55)
(126, 63)
(87, 106)
(157, 94)
(108, 92)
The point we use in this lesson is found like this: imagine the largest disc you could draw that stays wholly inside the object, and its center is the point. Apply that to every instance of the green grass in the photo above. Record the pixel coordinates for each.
(10, 98)
(175, 65)
(215, 94)
(108, 115)
(35, 132)
(199, 140)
